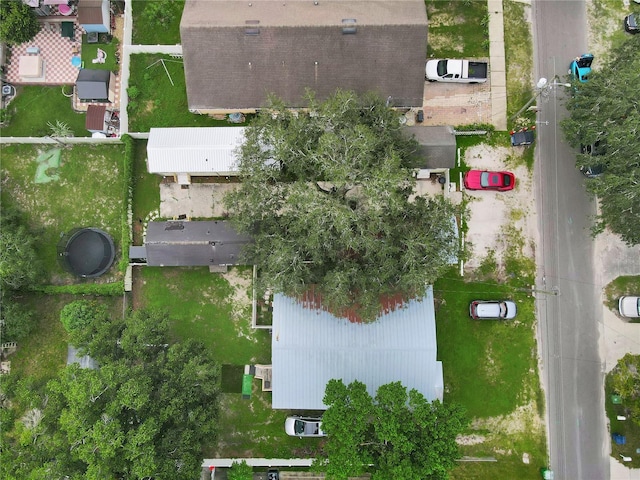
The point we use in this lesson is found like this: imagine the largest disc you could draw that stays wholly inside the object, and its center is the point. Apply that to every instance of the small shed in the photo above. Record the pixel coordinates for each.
(96, 118)
(194, 151)
(94, 15)
(85, 361)
(95, 86)
(436, 146)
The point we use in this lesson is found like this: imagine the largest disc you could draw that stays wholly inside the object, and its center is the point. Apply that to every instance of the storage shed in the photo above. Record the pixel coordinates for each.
(95, 86)
(94, 15)
(183, 153)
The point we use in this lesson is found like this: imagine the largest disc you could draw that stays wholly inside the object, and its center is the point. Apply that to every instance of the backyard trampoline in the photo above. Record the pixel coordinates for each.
(86, 252)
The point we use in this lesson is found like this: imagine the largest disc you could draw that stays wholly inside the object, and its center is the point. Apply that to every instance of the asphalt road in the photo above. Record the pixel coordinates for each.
(570, 311)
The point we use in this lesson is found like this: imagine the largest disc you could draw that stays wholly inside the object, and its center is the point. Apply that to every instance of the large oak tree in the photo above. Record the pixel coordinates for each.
(397, 434)
(607, 110)
(328, 196)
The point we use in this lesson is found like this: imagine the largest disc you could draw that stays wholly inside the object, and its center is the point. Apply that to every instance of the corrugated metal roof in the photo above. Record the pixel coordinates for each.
(310, 347)
(194, 150)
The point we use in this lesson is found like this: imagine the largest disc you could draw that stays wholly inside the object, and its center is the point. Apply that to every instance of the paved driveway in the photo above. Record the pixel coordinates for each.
(456, 103)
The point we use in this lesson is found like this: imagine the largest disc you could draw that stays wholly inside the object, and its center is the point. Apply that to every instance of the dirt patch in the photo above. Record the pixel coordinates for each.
(491, 212)
(524, 419)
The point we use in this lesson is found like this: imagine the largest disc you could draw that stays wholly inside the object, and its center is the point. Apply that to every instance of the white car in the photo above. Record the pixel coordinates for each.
(304, 427)
(629, 307)
(492, 309)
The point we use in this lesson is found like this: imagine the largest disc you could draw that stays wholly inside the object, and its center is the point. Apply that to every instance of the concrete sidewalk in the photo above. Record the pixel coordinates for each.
(497, 65)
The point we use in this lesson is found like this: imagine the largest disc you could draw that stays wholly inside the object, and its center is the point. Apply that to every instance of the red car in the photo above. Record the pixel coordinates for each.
(483, 180)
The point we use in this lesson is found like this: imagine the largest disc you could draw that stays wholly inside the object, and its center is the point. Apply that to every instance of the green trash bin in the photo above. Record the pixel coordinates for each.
(547, 474)
(616, 399)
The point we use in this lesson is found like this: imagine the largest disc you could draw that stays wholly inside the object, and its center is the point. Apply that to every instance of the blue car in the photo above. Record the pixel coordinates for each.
(580, 68)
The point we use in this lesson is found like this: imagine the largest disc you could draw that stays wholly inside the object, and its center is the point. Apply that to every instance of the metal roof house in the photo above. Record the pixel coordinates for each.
(191, 244)
(236, 52)
(310, 347)
(194, 151)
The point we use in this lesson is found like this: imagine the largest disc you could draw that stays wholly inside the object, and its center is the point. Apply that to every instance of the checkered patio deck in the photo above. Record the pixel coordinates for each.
(56, 52)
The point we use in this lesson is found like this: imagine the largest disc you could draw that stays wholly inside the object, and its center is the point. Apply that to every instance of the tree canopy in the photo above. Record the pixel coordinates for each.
(606, 110)
(625, 381)
(398, 433)
(145, 412)
(328, 196)
(20, 266)
(18, 22)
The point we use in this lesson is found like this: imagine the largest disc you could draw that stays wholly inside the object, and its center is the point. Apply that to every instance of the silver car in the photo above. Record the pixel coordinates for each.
(492, 310)
(629, 307)
(304, 427)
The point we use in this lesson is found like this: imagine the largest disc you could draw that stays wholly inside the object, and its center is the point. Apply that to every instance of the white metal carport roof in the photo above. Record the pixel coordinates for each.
(194, 150)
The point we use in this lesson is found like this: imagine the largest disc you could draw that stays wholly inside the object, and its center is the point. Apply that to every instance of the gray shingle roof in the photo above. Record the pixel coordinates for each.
(93, 84)
(191, 244)
(310, 347)
(436, 145)
(232, 62)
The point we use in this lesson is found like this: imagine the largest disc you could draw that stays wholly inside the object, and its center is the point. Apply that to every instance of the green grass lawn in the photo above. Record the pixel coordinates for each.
(159, 103)
(146, 191)
(202, 306)
(490, 367)
(628, 428)
(624, 285)
(149, 33)
(90, 52)
(34, 106)
(88, 193)
(457, 29)
(43, 353)
(519, 62)
(206, 307)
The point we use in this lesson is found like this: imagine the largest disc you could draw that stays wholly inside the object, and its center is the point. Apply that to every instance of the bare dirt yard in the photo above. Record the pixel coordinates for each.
(493, 215)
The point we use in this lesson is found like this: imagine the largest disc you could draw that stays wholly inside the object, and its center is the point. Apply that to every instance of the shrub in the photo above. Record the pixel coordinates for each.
(133, 92)
(79, 315)
(240, 471)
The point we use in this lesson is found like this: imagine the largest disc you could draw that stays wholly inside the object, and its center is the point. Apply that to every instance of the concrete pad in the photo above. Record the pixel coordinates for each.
(200, 200)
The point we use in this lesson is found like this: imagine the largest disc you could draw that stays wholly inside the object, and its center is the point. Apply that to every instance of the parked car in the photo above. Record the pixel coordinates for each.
(492, 310)
(631, 23)
(580, 68)
(591, 167)
(629, 307)
(304, 427)
(485, 180)
(524, 136)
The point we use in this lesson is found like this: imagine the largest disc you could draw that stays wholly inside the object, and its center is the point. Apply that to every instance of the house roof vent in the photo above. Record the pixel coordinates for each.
(252, 27)
(348, 26)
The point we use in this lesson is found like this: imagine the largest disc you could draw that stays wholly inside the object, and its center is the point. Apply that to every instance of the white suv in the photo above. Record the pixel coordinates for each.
(492, 309)
(629, 307)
